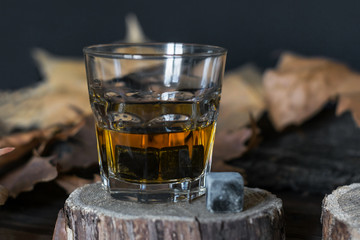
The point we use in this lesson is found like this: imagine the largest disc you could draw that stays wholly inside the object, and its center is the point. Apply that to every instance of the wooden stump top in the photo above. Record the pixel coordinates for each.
(91, 213)
(341, 213)
(256, 200)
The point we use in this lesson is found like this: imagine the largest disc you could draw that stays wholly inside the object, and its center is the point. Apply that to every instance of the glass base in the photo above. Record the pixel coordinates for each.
(185, 190)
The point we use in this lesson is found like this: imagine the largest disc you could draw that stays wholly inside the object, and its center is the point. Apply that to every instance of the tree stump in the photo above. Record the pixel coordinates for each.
(91, 213)
(341, 213)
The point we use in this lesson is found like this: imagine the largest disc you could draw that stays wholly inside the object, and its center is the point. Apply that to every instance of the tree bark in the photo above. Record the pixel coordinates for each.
(91, 213)
(341, 213)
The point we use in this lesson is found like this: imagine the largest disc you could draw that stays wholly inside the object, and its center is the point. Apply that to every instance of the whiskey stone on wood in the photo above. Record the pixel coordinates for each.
(341, 213)
(224, 192)
(91, 213)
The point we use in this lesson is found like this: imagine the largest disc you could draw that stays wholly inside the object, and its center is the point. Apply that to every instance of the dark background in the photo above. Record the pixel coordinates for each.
(252, 30)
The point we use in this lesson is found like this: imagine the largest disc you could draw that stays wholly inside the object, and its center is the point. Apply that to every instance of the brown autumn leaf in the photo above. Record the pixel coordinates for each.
(6, 150)
(3, 191)
(60, 227)
(134, 32)
(23, 142)
(23, 138)
(37, 169)
(60, 99)
(299, 87)
(62, 96)
(242, 94)
(349, 102)
(79, 151)
(63, 133)
(3, 195)
(70, 130)
(229, 145)
(70, 183)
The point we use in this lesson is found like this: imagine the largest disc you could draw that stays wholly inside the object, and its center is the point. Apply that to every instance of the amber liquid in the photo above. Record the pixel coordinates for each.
(155, 157)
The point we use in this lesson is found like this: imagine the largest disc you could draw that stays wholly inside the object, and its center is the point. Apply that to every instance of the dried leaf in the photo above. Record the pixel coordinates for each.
(62, 97)
(70, 183)
(22, 138)
(38, 169)
(350, 102)
(299, 87)
(23, 143)
(60, 227)
(3, 195)
(70, 130)
(134, 32)
(242, 93)
(6, 150)
(80, 151)
(229, 145)
(62, 134)
(242, 96)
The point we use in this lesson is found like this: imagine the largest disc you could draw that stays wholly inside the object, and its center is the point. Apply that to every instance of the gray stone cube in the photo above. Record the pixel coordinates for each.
(224, 192)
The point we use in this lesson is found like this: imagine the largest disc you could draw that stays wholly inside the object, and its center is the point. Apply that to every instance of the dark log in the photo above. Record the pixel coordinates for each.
(317, 157)
(91, 213)
(341, 213)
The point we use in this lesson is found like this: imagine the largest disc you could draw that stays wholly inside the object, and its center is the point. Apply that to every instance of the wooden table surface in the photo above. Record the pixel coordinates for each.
(32, 215)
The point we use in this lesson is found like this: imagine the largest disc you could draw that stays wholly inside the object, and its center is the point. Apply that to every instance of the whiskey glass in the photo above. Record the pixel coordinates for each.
(155, 107)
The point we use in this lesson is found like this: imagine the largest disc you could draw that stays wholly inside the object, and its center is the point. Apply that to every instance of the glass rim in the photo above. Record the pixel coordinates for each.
(99, 50)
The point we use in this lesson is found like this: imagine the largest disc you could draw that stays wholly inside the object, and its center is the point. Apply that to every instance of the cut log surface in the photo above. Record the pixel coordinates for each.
(317, 157)
(341, 213)
(91, 213)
